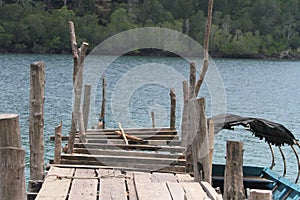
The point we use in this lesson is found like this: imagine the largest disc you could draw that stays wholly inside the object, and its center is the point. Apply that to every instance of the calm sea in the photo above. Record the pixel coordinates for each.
(138, 85)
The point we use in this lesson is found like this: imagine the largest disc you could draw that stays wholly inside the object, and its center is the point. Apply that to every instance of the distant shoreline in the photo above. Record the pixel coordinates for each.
(160, 53)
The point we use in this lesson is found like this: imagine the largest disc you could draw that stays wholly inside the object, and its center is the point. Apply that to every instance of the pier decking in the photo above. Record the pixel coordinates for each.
(106, 168)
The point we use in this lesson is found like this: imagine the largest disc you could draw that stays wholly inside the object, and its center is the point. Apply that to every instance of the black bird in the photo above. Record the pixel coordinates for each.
(273, 133)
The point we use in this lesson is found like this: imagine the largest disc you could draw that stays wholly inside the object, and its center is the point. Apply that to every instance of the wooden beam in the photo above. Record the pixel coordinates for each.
(193, 72)
(256, 194)
(153, 119)
(12, 159)
(36, 120)
(184, 122)
(233, 177)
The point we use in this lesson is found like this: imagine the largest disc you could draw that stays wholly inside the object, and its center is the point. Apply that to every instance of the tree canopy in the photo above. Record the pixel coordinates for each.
(240, 27)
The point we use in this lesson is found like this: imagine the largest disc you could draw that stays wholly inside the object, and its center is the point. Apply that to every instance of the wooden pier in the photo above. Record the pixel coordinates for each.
(106, 168)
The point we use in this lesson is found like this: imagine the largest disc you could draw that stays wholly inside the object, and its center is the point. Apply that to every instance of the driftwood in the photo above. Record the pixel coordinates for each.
(129, 137)
(123, 134)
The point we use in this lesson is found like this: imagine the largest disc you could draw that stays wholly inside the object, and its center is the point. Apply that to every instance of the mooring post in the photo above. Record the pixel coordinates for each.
(12, 159)
(86, 105)
(58, 139)
(78, 60)
(211, 136)
(153, 119)
(233, 176)
(101, 123)
(192, 80)
(173, 109)
(200, 147)
(36, 120)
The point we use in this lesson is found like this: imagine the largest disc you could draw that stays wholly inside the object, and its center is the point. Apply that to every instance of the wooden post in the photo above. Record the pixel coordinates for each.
(211, 136)
(200, 149)
(184, 120)
(206, 47)
(86, 105)
(12, 159)
(233, 177)
(256, 194)
(58, 138)
(101, 123)
(192, 80)
(173, 110)
(36, 120)
(78, 59)
(153, 119)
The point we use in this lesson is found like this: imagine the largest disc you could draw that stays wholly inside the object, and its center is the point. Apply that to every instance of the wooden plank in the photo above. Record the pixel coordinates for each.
(119, 141)
(210, 191)
(172, 149)
(85, 186)
(176, 191)
(131, 187)
(171, 169)
(193, 191)
(57, 183)
(112, 185)
(115, 136)
(157, 177)
(129, 166)
(128, 153)
(184, 178)
(146, 189)
(124, 159)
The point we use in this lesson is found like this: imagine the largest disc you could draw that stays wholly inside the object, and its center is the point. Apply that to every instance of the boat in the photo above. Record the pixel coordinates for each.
(255, 177)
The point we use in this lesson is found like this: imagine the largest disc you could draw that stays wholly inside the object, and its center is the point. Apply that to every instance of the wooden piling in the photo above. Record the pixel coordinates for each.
(153, 119)
(200, 147)
(173, 109)
(78, 59)
(86, 105)
(12, 159)
(58, 139)
(233, 177)
(211, 136)
(184, 120)
(36, 120)
(103, 106)
(192, 80)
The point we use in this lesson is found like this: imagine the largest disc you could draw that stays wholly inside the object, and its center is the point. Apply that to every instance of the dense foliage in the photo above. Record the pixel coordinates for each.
(240, 27)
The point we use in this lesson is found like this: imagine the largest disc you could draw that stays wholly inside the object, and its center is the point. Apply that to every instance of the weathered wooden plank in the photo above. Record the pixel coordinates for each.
(158, 130)
(176, 191)
(128, 166)
(119, 141)
(210, 191)
(57, 183)
(157, 177)
(112, 185)
(131, 187)
(115, 136)
(146, 189)
(193, 191)
(84, 185)
(125, 159)
(176, 149)
(128, 153)
(184, 178)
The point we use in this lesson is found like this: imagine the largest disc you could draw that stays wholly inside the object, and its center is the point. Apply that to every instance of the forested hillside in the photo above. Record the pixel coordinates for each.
(248, 28)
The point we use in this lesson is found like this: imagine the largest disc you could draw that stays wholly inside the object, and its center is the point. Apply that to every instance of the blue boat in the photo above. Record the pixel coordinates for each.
(274, 134)
(260, 178)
